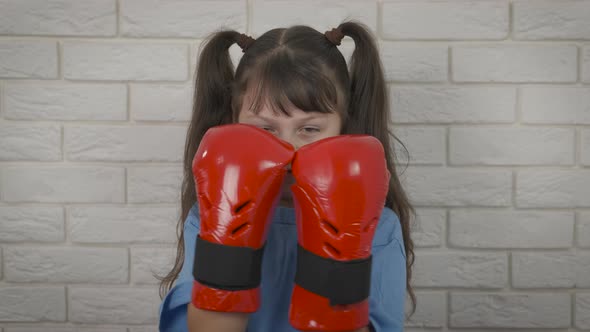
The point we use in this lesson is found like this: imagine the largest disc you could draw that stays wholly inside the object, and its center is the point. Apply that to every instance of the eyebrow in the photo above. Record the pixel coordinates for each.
(309, 117)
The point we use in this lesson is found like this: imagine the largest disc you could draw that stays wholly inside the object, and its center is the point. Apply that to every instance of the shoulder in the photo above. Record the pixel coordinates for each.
(388, 230)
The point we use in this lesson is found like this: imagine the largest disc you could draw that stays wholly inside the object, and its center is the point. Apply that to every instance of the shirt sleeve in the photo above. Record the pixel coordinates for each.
(388, 282)
(173, 309)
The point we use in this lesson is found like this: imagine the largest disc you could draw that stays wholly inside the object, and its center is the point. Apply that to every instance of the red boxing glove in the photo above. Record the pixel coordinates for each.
(340, 191)
(238, 172)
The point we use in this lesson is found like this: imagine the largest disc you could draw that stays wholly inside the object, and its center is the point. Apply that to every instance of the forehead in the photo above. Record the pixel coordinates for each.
(265, 110)
(284, 90)
(258, 102)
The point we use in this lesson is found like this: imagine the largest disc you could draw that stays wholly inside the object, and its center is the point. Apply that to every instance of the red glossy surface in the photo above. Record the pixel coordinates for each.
(340, 191)
(238, 172)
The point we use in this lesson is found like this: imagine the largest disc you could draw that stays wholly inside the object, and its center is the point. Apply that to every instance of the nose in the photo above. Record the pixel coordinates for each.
(291, 140)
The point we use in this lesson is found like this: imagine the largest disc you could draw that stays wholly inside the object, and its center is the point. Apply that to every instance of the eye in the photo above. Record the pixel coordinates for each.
(267, 128)
(310, 130)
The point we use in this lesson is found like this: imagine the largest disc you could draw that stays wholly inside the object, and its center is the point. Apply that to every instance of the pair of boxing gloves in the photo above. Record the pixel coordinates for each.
(340, 190)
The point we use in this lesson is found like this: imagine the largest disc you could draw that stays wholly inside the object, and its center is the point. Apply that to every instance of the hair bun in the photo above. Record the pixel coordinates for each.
(335, 36)
(245, 41)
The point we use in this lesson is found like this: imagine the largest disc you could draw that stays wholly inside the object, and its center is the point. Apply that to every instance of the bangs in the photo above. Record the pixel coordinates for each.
(283, 82)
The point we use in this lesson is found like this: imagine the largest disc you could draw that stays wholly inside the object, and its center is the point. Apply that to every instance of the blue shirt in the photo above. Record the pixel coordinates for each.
(388, 276)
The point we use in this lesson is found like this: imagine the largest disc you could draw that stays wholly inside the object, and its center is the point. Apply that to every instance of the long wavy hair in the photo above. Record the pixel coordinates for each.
(296, 66)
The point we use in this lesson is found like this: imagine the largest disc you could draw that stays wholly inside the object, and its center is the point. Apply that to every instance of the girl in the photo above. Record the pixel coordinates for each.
(293, 83)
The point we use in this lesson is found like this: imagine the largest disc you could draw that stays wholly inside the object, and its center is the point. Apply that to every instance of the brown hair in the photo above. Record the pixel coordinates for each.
(318, 80)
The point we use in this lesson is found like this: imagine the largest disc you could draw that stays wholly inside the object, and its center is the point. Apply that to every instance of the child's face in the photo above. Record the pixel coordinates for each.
(298, 129)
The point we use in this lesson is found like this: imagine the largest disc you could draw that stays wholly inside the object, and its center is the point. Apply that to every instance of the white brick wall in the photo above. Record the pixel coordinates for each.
(514, 63)
(28, 59)
(538, 105)
(446, 20)
(59, 17)
(515, 310)
(117, 305)
(547, 20)
(65, 101)
(152, 18)
(58, 264)
(491, 97)
(414, 62)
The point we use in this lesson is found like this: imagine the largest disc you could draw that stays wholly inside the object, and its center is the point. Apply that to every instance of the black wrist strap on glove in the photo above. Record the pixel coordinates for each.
(341, 282)
(227, 267)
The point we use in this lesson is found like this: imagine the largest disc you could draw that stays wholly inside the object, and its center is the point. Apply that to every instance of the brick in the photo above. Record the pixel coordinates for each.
(114, 305)
(430, 310)
(585, 148)
(25, 223)
(152, 18)
(463, 270)
(514, 63)
(453, 104)
(161, 102)
(437, 186)
(551, 270)
(446, 20)
(555, 105)
(125, 61)
(144, 329)
(428, 229)
(102, 328)
(582, 312)
(122, 224)
(32, 304)
(553, 188)
(510, 229)
(154, 184)
(408, 62)
(586, 64)
(511, 146)
(65, 101)
(124, 143)
(66, 264)
(58, 17)
(27, 142)
(546, 310)
(74, 184)
(493, 330)
(322, 15)
(583, 229)
(426, 145)
(28, 59)
(551, 20)
(147, 262)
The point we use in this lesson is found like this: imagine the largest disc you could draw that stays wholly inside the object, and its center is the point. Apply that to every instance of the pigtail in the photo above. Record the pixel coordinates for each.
(211, 107)
(368, 94)
(368, 113)
(213, 80)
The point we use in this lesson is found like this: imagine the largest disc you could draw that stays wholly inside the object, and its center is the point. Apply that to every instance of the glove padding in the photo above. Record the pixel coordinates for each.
(238, 171)
(341, 187)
